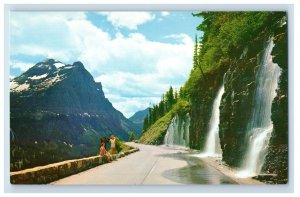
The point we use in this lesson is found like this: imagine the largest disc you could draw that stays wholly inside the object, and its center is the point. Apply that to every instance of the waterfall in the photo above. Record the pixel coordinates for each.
(212, 146)
(260, 126)
(178, 131)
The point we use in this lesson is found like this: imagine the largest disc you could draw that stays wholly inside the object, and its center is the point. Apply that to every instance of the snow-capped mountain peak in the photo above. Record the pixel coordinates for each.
(41, 76)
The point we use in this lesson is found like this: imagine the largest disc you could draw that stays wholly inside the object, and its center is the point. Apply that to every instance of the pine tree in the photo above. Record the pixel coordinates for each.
(150, 116)
(131, 136)
(154, 113)
(146, 123)
(195, 57)
(198, 58)
(181, 93)
(164, 106)
(170, 98)
(175, 96)
(161, 108)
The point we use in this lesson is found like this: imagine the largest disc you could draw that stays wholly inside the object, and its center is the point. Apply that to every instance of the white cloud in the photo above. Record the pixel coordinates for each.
(134, 85)
(165, 13)
(44, 33)
(130, 20)
(131, 105)
(11, 77)
(134, 71)
(179, 37)
(23, 66)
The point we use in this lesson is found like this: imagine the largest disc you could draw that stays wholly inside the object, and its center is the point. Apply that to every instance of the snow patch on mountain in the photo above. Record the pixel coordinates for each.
(52, 80)
(22, 87)
(86, 114)
(13, 84)
(35, 77)
(59, 65)
(16, 87)
(68, 67)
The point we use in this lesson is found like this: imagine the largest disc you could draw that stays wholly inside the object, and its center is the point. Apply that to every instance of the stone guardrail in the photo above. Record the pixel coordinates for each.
(52, 172)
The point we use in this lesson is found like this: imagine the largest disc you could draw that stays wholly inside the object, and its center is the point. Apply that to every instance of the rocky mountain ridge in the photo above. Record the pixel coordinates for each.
(59, 104)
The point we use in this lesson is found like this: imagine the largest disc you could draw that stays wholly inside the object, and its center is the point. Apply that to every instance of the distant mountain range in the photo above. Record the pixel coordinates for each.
(138, 118)
(55, 106)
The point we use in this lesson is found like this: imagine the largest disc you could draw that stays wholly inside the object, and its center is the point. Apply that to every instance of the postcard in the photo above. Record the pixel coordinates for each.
(148, 98)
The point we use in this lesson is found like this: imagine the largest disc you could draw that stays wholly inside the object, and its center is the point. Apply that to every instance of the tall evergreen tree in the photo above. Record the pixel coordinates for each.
(198, 58)
(150, 116)
(161, 108)
(181, 92)
(146, 123)
(131, 136)
(170, 98)
(175, 96)
(164, 106)
(195, 57)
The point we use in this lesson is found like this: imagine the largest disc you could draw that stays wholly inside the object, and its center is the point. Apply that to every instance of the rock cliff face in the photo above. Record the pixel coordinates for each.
(238, 100)
(202, 99)
(58, 112)
(236, 108)
(277, 158)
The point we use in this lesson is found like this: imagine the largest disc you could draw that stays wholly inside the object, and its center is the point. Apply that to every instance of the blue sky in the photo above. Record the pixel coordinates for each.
(136, 55)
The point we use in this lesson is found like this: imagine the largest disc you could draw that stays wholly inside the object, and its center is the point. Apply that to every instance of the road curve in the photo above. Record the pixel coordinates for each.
(143, 167)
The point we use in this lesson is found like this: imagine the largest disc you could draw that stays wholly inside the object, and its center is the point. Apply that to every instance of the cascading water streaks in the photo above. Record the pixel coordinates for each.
(178, 131)
(260, 126)
(212, 146)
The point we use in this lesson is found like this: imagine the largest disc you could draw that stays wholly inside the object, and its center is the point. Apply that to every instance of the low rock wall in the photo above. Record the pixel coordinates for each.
(49, 173)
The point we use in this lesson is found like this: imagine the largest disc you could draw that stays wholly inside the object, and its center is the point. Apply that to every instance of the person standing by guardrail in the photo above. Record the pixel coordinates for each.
(112, 144)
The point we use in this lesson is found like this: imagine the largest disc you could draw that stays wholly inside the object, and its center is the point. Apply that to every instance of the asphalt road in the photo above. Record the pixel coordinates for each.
(154, 165)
